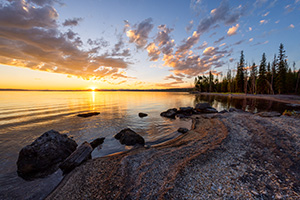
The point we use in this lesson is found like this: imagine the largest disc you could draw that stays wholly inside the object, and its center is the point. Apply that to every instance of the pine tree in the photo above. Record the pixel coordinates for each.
(261, 82)
(281, 70)
(253, 76)
(273, 77)
(240, 74)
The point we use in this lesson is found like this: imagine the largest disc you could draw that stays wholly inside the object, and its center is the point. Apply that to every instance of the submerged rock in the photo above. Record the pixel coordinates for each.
(205, 108)
(171, 113)
(143, 114)
(88, 114)
(129, 137)
(183, 130)
(269, 114)
(42, 156)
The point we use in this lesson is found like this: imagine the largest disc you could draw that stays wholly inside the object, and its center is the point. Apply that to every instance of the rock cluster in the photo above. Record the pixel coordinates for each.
(85, 115)
(183, 112)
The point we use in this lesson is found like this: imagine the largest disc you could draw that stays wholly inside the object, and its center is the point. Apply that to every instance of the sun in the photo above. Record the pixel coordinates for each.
(93, 88)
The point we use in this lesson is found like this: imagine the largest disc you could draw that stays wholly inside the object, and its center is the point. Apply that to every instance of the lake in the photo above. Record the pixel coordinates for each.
(25, 115)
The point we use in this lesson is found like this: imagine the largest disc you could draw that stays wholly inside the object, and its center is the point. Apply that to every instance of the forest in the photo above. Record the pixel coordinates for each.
(275, 77)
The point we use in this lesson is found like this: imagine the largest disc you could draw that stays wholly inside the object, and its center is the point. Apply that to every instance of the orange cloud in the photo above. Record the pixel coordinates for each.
(231, 31)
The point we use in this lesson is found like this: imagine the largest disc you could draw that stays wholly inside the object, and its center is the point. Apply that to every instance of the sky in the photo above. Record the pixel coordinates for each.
(138, 44)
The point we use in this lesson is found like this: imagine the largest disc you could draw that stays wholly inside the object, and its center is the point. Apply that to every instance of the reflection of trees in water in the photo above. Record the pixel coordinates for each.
(247, 104)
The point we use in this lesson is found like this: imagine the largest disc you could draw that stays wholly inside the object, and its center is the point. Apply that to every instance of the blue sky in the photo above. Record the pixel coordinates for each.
(138, 44)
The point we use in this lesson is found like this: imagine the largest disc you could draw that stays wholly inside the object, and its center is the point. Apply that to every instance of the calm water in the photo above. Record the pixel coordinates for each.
(24, 116)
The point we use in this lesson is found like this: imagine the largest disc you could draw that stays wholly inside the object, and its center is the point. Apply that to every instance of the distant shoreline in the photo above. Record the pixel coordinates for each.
(106, 90)
(290, 99)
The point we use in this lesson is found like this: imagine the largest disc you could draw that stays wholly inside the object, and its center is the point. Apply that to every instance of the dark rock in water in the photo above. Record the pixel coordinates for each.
(42, 156)
(205, 108)
(171, 113)
(88, 114)
(97, 142)
(187, 111)
(223, 111)
(81, 154)
(269, 114)
(129, 137)
(202, 106)
(183, 130)
(181, 116)
(143, 115)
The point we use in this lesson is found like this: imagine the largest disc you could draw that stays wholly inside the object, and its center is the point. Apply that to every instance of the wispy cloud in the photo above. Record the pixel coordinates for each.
(189, 27)
(153, 52)
(291, 26)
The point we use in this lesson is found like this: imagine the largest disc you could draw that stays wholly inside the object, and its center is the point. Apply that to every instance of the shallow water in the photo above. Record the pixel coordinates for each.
(24, 116)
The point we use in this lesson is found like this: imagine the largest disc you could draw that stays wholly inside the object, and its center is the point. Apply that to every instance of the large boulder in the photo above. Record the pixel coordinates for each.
(187, 111)
(171, 113)
(42, 156)
(205, 108)
(129, 137)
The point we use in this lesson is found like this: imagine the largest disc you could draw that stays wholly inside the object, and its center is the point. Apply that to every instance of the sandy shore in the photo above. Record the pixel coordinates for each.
(234, 155)
(290, 99)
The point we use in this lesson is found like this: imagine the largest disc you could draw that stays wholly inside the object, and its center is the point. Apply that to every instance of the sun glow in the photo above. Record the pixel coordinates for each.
(93, 88)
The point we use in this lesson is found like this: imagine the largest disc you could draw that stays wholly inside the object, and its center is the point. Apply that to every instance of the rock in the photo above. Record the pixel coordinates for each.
(223, 111)
(88, 114)
(269, 114)
(236, 110)
(81, 154)
(42, 156)
(97, 142)
(143, 115)
(129, 137)
(205, 108)
(183, 130)
(202, 106)
(171, 113)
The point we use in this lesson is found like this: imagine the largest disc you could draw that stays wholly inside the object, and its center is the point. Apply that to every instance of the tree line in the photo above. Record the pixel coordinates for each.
(275, 77)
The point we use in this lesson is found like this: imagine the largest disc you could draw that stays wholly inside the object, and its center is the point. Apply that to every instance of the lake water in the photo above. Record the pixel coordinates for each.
(24, 116)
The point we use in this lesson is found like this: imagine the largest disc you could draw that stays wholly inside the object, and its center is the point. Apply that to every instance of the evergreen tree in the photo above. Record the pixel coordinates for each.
(261, 82)
(253, 78)
(281, 70)
(240, 74)
(273, 77)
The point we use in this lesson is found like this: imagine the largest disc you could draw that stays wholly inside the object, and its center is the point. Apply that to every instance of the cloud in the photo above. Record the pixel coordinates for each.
(30, 38)
(238, 42)
(260, 3)
(189, 43)
(277, 21)
(139, 36)
(263, 21)
(171, 76)
(232, 31)
(219, 40)
(153, 52)
(291, 26)
(260, 43)
(203, 45)
(223, 44)
(189, 27)
(251, 39)
(44, 2)
(266, 14)
(221, 14)
(231, 59)
(21, 15)
(72, 22)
